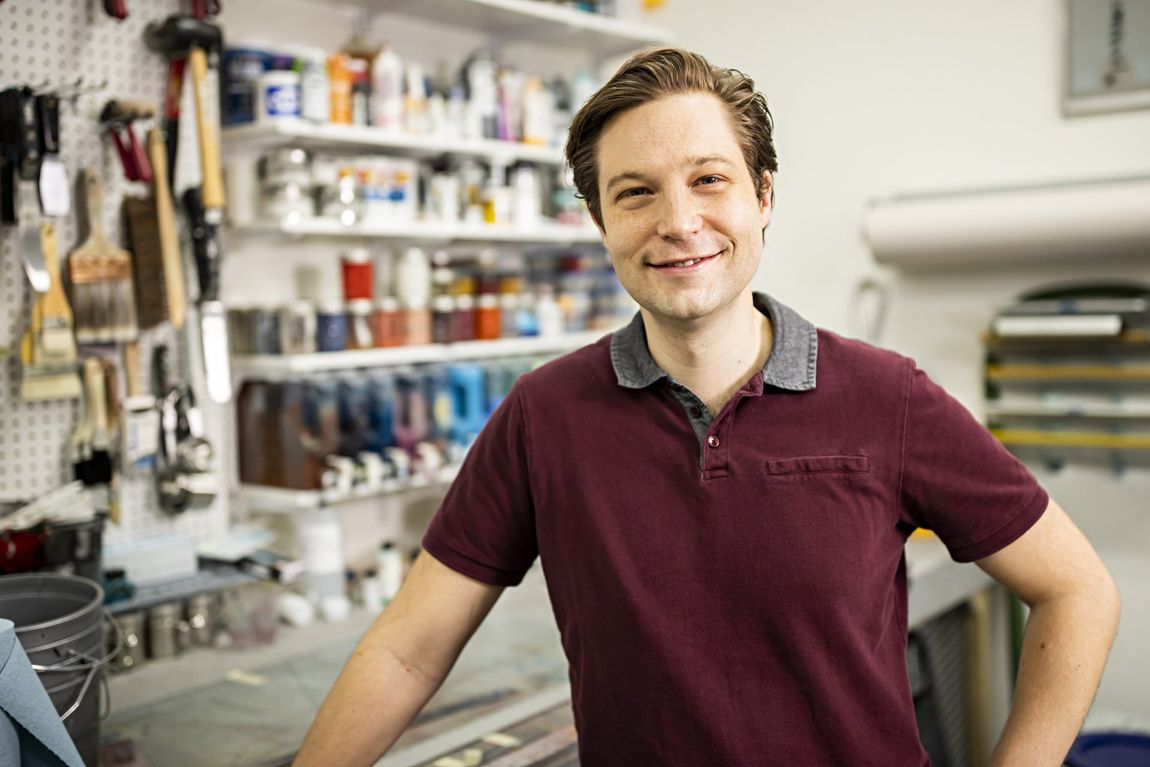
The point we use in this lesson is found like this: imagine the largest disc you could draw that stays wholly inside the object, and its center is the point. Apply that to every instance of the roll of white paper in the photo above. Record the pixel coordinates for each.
(1083, 221)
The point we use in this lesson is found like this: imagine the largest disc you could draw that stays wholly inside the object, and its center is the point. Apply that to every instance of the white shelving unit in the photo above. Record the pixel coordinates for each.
(254, 366)
(308, 135)
(544, 233)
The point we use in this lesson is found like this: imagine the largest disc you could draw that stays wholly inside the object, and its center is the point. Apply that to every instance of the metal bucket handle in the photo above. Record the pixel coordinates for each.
(93, 665)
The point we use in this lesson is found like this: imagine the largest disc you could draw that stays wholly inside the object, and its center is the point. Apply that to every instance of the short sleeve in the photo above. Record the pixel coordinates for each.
(485, 527)
(958, 480)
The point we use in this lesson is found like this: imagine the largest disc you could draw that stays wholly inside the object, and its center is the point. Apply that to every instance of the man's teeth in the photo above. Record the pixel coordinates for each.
(681, 264)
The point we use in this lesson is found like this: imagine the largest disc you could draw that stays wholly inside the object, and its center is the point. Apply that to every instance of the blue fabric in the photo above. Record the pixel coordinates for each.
(31, 733)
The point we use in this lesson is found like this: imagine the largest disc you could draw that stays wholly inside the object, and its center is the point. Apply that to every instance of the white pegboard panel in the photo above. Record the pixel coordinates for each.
(53, 43)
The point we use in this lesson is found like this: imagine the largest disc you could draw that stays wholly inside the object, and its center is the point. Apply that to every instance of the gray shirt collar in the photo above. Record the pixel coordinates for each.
(790, 365)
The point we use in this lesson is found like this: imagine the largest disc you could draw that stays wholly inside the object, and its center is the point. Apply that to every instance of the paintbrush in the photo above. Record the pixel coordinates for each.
(48, 352)
(101, 277)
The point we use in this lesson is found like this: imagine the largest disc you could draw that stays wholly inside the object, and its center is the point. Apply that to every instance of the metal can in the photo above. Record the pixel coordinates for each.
(297, 328)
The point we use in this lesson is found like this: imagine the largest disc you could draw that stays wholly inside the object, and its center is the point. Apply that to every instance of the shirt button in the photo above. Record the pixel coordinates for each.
(696, 413)
(713, 441)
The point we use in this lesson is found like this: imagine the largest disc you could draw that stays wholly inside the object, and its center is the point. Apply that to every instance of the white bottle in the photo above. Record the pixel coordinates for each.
(415, 103)
(413, 279)
(372, 596)
(390, 571)
(387, 82)
(549, 313)
(314, 88)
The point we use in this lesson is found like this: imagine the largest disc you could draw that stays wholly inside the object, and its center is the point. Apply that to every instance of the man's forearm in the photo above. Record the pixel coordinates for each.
(1063, 655)
(374, 699)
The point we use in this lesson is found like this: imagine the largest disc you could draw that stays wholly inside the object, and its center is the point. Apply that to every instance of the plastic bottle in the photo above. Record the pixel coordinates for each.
(549, 313)
(415, 102)
(387, 78)
(315, 91)
(369, 588)
(538, 106)
(390, 571)
(483, 94)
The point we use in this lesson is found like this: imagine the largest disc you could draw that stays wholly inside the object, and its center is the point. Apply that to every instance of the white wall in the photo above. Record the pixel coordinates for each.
(886, 96)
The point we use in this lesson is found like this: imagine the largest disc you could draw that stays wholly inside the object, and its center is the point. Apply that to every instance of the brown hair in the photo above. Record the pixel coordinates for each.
(658, 72)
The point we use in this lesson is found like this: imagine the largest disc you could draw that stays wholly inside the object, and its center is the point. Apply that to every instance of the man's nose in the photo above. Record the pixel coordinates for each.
(679, 215)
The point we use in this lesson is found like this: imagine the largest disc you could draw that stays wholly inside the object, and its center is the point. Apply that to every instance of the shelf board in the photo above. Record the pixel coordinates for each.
(1067, 410)
(279, 499)
(1126, 338)
(1071, 439)
(1099, 373)
(423, 231)
(208, 579)
(282, 364)
(308, 135)
(530, 21)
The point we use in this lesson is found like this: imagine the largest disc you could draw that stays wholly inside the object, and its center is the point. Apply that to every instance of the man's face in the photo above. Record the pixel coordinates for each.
(682, 222)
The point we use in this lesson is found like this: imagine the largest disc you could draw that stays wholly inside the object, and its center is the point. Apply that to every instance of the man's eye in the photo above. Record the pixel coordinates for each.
(636, 192)
(708, 180)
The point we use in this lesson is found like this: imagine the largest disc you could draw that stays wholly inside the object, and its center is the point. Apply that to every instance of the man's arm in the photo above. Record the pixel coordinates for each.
(397, 666)
(1074, 607)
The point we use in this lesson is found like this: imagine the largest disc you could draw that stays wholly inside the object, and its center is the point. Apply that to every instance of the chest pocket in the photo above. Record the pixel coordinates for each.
(824, 521)
(814, 465)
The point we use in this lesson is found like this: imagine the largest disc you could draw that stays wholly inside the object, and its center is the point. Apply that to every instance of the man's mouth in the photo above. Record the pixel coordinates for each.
(685, 263)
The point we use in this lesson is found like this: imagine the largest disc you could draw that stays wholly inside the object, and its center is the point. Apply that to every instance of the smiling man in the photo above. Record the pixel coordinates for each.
(719, 494)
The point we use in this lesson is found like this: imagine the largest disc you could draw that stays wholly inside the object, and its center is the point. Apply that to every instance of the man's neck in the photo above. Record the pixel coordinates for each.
(713, 357)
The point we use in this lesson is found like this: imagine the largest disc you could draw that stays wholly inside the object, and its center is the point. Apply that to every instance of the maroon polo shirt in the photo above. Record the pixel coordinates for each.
(732, 590)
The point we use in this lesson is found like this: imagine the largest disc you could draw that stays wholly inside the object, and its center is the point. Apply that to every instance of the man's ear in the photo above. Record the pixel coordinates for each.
(766, 199)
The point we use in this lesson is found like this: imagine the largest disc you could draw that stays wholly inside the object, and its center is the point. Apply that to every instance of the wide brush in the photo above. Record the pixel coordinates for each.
(101, 277)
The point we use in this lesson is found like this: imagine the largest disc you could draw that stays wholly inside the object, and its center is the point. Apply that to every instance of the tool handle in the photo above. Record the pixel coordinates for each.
(48, 245)
(166, 224)
(117, 9)
(132, 368)
(139, 156)
(94, 200)
(127, 159)
(94, 378)
(209, 138)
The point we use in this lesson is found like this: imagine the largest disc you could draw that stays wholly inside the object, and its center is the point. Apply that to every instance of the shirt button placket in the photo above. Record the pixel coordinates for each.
(714, 456)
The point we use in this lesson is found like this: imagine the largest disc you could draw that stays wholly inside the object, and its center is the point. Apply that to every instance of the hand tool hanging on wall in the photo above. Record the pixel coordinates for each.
(101, 278)
(18, 133)
(184, 476)
(213, 318)
(116, 119)
(48, 352)
(32, 137)
(55, 188)
(175, 294)
(91, 441)
(155, 250)
(183, 36)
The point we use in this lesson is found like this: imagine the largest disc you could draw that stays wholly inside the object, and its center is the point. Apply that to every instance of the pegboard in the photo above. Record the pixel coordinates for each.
(47, 44)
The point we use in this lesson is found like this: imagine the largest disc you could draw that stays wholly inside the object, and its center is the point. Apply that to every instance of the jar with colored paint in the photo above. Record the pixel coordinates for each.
(463, 326)
(488, 318)
(387, 323)
(331, 327)
(442, 318)
(358, 274)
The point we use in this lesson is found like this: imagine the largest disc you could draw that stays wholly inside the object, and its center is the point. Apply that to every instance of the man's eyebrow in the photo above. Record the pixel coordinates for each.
(692, 162)
(629, 175)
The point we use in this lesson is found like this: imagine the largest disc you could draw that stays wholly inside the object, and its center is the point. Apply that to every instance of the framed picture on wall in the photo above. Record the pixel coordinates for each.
(1107, 56)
